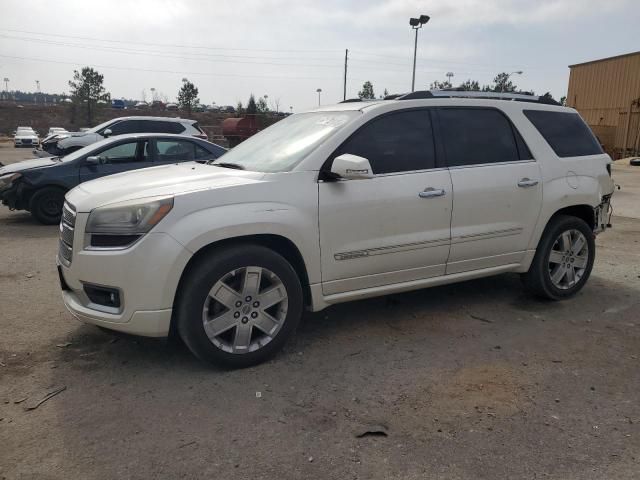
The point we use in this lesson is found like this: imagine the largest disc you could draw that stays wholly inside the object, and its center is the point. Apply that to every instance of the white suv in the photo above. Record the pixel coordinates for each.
(346, 202)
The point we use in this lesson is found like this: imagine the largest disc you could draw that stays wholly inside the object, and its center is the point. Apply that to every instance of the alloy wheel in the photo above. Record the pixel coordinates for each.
(568, 259)
(245, 310)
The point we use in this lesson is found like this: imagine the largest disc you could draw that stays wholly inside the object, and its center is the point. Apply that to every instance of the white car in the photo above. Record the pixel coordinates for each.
(345, 202)
(25, 137)
(64, 143)
(56, 130)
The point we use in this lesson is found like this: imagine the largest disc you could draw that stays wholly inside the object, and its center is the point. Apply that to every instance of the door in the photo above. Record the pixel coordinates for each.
(394, 227)
(497, 189)
(122, 157)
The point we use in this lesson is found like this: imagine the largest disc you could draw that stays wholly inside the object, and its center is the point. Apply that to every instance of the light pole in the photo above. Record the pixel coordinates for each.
(449, 75)
(37, 90)
(416, 24)
(319, 90)
(153, 94)
(6, 86)
(517, 72)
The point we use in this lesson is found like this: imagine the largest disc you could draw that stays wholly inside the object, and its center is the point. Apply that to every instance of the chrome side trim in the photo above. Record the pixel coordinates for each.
(369, 252)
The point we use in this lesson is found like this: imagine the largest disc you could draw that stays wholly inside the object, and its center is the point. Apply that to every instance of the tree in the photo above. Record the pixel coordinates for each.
(87, 90)
(367, 91)
(188, 95)
(239, 107)
(502, 83)
(438, 85)
(252, 108)
(384, 94)
(262, 106)
(563, 101)
(276, 102)
(470, 85)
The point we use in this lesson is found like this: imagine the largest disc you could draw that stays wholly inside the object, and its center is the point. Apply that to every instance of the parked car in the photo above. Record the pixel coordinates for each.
(172, 106)
(66, 143)
(118, 104)
(341, 203)
(25, 137)
(141, 105)
(39, 185)
(56, 130)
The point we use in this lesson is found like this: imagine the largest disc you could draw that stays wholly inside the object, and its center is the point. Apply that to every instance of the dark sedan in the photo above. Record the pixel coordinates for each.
(39, 185)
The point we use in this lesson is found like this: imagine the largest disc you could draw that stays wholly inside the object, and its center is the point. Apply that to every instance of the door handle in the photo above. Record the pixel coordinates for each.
(432, 192)
(527, 182)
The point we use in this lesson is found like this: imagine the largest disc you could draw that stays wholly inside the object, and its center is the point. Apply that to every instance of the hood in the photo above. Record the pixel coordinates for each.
(26, 135)
(28, 165)
(168, 180)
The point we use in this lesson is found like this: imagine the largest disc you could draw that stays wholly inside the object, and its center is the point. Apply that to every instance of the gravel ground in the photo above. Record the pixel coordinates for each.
(474, 380)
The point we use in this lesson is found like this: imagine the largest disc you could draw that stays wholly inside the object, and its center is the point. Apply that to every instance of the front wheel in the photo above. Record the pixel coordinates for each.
(564, 259)
(46, 205)
(238, 306)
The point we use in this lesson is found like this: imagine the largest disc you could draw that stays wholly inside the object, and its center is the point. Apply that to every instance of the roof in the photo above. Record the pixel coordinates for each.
(605, 59)
(144, 117)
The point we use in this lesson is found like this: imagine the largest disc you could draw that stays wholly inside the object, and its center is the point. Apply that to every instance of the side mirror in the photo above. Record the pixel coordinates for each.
(92, 160)
(107, 133)
(351, 167)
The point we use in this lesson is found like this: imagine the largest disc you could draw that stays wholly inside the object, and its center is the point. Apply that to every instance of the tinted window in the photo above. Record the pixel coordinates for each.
(474, 136)
(175, 150)
(204, 154)
(398, 142)
(123, 153)
(126, 126)
(565, 132)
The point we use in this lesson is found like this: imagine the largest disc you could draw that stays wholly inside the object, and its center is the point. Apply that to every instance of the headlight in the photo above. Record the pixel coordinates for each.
(6, 180)
(128, 218)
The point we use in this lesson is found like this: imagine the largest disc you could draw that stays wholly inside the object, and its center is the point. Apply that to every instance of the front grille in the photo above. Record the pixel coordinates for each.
(67, 229)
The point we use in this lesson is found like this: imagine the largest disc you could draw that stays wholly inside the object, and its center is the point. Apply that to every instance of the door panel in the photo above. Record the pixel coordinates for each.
(493, 218)
(380, 231)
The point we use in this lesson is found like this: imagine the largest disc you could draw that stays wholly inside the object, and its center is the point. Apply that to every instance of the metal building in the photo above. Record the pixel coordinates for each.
(606, 92)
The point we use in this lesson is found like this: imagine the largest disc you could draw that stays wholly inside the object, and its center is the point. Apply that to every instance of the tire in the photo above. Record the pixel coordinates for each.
(236, 329)
(46, 205)
(563, 260)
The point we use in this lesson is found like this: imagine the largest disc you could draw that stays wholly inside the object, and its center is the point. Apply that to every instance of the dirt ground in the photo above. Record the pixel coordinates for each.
(474, 380)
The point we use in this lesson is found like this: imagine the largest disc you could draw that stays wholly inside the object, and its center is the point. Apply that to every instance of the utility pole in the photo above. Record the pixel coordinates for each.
(319, 90)
(346, 57)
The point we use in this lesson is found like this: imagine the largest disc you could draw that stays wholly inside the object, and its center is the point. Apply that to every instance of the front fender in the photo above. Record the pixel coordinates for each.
(199, 229)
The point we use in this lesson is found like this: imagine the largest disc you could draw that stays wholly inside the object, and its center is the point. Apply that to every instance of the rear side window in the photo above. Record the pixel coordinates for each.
(126, 126)
(175, 150)
(398, 142)
(565, 132)
(475, 136)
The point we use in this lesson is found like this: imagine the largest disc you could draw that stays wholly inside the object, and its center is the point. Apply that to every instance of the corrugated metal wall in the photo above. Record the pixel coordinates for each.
(602, 92)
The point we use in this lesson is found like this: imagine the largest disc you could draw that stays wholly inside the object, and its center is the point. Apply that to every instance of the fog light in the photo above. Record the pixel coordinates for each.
(105, 296)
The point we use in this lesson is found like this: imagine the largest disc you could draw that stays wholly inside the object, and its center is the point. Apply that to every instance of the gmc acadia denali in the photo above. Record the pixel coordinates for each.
(345, 202)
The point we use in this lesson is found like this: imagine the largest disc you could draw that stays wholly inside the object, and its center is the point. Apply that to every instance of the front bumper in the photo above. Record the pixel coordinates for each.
(146, 275)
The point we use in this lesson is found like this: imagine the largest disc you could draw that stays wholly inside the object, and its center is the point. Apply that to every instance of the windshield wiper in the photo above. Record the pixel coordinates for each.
(227, 165)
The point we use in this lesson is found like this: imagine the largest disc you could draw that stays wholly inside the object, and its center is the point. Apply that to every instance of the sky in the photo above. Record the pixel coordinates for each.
(289, 49)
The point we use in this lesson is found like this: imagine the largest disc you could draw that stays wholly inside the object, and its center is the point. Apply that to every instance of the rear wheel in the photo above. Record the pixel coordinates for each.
(564, 259)
(239, 305)
(46, 205)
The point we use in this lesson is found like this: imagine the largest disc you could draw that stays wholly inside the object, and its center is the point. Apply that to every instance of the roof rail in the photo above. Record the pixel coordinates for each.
(351, 100)
(459, 93)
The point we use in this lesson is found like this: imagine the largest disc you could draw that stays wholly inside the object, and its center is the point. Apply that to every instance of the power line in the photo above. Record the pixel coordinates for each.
(181, 72)
(163, 45)
(176, 56)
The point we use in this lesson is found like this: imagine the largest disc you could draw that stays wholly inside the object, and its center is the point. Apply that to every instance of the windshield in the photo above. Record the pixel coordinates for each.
(283, 145)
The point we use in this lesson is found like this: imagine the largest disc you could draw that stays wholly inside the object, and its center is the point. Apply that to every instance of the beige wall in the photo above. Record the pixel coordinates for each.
(602, 92)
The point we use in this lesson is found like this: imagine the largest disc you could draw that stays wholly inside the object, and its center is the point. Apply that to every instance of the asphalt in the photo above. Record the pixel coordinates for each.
(474, 380)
